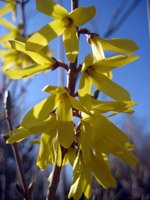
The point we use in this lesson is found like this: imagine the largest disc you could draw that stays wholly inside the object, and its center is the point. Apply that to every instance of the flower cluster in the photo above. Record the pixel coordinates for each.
(93, 137)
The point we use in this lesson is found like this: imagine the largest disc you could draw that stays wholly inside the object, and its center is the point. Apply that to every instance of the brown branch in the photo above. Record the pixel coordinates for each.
(25, 192)
(63, 65)
(55, 175)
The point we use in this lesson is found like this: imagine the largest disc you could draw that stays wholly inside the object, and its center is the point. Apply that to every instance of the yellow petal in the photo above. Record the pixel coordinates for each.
(110, 88)
(3, 53)
(51, 8)
(108, 131)
(65, 122)
(7, 37)
(87, 62)
(59, 154)
(38, 57)
(71, 155)
(18, 134)
(44, 125)
(97, 49)
(88, 182)
(45, 156)
(127, 157)
(113, 62)
(76, 188)
(18, 73)
(85, 142)
(119, 45)
(6, 8)
(106, 106)
(7, 24)
(102, 172)
(41, 38)
(54, 89)
(39, 112)
(85, 85)
(77, 105)
(81, 15)
(70, 38)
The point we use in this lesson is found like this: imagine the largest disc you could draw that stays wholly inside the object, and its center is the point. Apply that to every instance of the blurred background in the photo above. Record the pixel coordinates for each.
(114, 19)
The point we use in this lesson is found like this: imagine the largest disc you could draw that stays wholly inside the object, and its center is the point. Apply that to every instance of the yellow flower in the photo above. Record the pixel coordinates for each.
(118, 45)
(39, 119)
(65, 23)
(35, 62)
(95, 72)
(98, 139)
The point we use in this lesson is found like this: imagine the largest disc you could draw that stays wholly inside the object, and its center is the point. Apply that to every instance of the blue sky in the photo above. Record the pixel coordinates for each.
(135, 77)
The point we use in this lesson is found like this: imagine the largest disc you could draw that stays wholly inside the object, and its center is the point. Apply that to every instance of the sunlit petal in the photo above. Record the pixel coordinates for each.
(119, 45)
(51, 8)
(110, 88)
(65, 122)
(41, 38)
(70, 38)
(17, 73)
(81, 15)
(18, 134)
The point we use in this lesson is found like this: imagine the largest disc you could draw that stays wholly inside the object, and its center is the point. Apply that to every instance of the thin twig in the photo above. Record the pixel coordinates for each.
(122, 19)
(22, 4)
(25, 192)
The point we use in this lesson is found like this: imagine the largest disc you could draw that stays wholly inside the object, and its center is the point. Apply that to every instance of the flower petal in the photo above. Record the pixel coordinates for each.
(65, 123)
(38, 57)
(85, 85)
(102, 172)
(77, 105)
(18, 73)
(107, 106)
(87, 62)
(70, 38)
(76, 188)
(97, 49)
(54, 89)
(119, 45)
(84, 90)
(85, 142)
(110, 88)
(113, 62)
(127, 157)
(44, 125)
(39, 112)
(18, 134)
(51, 8)
(7, 24)
(81, 15)
(45, 155)
(41, 38)
(108, 131)
(7, 7)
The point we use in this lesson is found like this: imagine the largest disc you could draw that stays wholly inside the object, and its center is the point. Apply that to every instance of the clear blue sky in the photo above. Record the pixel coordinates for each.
(135, 77)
